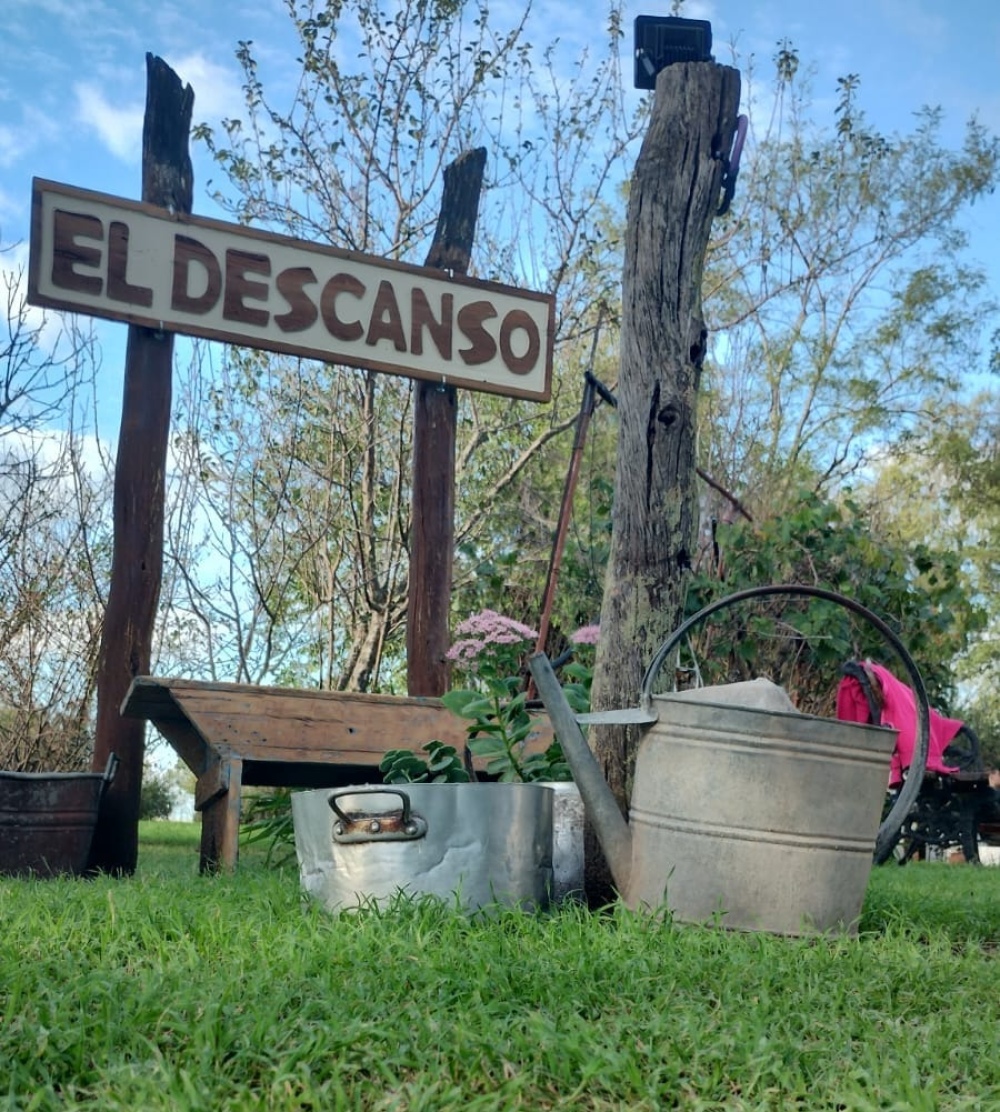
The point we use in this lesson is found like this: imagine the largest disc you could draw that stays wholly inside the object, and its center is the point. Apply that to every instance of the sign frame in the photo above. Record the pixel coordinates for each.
(133, 262)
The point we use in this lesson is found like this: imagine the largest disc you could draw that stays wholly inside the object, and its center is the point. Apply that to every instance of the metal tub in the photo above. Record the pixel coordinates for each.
(474, 844)
(756, 819)
(47, 820)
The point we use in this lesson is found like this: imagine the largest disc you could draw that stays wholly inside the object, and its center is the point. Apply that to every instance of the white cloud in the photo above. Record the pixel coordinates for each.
(119, 128)
(47, 446)
(119, 125)
(217, 90)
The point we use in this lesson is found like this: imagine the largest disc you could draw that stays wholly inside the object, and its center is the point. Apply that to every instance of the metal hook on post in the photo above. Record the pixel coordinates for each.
(731, 167)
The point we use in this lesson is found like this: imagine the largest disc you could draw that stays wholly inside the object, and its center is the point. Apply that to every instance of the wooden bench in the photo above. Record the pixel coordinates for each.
(230, 735)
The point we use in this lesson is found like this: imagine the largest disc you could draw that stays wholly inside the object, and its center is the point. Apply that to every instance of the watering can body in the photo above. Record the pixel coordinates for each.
(755, 819)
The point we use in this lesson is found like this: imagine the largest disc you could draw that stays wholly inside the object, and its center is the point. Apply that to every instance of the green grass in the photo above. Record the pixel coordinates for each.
(175, 991)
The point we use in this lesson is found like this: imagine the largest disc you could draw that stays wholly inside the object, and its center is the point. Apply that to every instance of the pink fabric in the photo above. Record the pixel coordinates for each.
(899, 711)
(852, 706)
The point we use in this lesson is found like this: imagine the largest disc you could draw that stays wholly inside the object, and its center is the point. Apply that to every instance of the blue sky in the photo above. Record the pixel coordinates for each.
(72, 79)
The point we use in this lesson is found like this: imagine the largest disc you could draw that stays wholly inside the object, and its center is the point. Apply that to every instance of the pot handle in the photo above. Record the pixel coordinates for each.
(108, 775)
(388, 826)
(891, 825)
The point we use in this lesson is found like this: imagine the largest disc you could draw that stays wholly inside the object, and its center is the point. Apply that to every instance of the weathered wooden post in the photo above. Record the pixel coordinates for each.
(675, 193)
(137, 557)
(432, 533)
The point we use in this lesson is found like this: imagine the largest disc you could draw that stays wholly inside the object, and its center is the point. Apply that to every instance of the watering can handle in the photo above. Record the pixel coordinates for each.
(891, 825)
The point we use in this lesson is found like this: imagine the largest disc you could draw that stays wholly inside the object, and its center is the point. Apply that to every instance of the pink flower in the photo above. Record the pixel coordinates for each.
(488, 626)
(586, 635)
(465, 651)
(482, 634)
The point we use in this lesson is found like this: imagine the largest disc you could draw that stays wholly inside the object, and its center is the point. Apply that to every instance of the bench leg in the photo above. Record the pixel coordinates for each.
(220, 819)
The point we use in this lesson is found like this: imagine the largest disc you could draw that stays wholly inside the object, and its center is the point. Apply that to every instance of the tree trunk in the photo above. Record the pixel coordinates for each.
(137, 556)
(432, 531)
(675, 193)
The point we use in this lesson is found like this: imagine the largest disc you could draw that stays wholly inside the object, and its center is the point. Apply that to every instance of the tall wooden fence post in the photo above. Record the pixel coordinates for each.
(432, 533)
(675, 193)
(137, 558)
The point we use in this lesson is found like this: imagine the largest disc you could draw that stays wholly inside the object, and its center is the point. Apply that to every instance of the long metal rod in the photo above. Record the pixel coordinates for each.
(591, 389)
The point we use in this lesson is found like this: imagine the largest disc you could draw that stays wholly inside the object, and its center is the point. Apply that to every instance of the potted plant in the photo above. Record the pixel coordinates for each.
(432, 830)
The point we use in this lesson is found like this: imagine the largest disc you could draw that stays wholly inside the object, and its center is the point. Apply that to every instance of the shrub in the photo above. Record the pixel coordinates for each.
(157, 799)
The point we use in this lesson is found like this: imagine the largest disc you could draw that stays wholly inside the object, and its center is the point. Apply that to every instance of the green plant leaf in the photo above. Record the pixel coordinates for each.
(466, 703)
(577, 671)
(487, 746)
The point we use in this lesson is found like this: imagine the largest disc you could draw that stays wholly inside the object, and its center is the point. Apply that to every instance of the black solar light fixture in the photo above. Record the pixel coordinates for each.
(663, 39)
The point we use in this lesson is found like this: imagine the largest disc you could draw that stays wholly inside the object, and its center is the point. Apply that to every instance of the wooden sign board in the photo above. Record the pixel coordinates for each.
(109, 257)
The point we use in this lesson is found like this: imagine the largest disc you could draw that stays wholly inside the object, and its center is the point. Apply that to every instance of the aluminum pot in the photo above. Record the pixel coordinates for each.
(476, 844)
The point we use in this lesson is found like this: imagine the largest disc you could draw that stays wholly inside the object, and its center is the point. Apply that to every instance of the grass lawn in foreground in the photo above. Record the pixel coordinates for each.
(174, 991)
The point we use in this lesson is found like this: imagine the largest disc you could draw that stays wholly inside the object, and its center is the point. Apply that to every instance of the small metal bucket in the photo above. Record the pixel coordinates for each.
(756, 818)
(47, 820)
(567, 841)
(476, 844)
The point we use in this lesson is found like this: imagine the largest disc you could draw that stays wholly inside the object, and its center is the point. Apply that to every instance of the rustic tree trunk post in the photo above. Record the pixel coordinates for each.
(137, 557)
(675, 193)
(432, 534)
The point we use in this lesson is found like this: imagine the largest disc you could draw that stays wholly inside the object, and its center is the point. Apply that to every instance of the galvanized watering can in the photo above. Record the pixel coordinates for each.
(744, 812)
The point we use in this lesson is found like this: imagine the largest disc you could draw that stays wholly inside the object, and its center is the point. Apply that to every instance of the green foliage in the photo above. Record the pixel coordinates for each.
(577, 684)
(442, 765)
(156, 799)
(954, 493)
(267, 821)
(801, 643)
(499, 727)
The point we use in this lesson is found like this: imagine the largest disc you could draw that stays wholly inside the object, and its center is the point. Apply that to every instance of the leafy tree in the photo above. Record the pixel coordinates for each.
(946, 486)
(299, 472)
(846, 320)
(839, 293)
(53, 544)
(157, 798)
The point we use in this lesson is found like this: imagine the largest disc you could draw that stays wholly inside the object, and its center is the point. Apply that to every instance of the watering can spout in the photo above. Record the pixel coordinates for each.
(601, 805)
